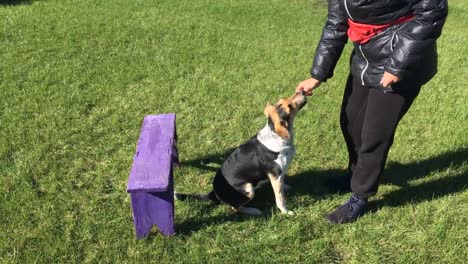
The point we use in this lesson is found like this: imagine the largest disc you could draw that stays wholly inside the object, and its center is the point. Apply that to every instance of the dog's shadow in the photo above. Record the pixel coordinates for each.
(188, 226)
(315, 183)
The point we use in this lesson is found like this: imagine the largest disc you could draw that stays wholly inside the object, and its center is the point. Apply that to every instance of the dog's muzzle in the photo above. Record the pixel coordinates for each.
(302, 100)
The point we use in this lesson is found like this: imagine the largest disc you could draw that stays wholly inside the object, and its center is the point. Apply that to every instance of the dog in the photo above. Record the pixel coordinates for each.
(266, 156)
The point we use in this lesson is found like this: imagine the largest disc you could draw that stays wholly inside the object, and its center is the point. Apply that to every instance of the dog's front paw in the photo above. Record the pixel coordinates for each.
(290, 212)
(286, 211)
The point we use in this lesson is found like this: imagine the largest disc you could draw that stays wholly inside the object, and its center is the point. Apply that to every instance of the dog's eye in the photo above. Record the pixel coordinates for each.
(284, 123)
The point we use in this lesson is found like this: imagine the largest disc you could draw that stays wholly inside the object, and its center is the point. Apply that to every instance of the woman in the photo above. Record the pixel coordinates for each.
(394, 55)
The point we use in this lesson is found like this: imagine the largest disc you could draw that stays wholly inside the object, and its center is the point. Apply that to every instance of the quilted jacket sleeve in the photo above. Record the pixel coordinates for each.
(334, 38)
(417, 35)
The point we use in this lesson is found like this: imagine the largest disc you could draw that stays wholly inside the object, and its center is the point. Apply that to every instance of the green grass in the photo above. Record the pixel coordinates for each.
(77, 77)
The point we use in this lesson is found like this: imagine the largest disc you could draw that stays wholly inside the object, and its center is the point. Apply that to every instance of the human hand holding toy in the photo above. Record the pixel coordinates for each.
(307, 86)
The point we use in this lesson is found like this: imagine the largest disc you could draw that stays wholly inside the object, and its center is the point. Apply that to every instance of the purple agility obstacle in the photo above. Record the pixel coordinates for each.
(151, 184)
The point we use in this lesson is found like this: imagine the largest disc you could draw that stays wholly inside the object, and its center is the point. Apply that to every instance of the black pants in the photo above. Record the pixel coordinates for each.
(369, 118)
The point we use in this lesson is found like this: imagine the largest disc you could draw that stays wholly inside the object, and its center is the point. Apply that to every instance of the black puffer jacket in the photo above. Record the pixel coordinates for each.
(407, 50)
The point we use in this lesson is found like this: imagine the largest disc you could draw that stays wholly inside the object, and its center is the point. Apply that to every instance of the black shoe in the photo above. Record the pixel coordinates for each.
(349, 211)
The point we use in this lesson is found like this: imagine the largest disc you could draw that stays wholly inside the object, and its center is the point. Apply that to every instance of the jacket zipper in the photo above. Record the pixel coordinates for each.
(365, 68)
(367, 62)
(347, 11)
(391, 41)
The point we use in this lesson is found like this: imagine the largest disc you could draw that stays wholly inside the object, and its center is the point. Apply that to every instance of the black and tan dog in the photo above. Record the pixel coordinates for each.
(265, 156)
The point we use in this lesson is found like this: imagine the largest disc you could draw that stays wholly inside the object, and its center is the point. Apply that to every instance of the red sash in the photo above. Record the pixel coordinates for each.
(362, 33)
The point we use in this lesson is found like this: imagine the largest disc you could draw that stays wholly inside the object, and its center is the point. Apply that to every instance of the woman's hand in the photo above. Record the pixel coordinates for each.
(307, 86)
(388, 79)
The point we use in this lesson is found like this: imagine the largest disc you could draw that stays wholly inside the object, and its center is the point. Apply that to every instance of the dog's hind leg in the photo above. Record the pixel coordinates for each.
(248, 190)
(248, 211)
(287, 187)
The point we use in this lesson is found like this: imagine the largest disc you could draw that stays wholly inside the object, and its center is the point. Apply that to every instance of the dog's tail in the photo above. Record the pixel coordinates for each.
(211, 196)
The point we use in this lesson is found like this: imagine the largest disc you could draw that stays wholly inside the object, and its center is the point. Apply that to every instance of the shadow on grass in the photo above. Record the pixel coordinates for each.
(190, 226)
(315, 183)
(401, 174)
(15, 2)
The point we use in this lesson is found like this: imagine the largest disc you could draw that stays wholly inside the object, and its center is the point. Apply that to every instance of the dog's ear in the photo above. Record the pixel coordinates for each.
(280, 127)
(268, 109)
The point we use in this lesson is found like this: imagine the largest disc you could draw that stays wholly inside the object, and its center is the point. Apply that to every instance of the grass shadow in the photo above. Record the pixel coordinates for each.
(315, 183)
(15, 2)
(426, 191)
(189, 226)
(206, 162)
(400, 174)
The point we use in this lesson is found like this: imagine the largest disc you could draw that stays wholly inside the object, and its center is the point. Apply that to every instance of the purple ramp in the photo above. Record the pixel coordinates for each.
(150, 183)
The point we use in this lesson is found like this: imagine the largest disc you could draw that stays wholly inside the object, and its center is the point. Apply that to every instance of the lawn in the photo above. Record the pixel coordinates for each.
(78, 76)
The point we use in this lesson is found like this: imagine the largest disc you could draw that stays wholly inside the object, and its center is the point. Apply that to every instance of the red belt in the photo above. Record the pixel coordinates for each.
(362, 33)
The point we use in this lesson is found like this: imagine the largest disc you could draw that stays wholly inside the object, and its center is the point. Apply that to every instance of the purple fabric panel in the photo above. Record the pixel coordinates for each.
(154, 155)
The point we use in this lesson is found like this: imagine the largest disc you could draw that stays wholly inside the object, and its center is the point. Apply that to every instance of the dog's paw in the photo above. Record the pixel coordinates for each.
(286, 211)
(255, 212)
(249, 211)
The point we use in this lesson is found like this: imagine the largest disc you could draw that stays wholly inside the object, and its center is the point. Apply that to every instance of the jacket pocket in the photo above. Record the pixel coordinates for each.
(380, 47)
